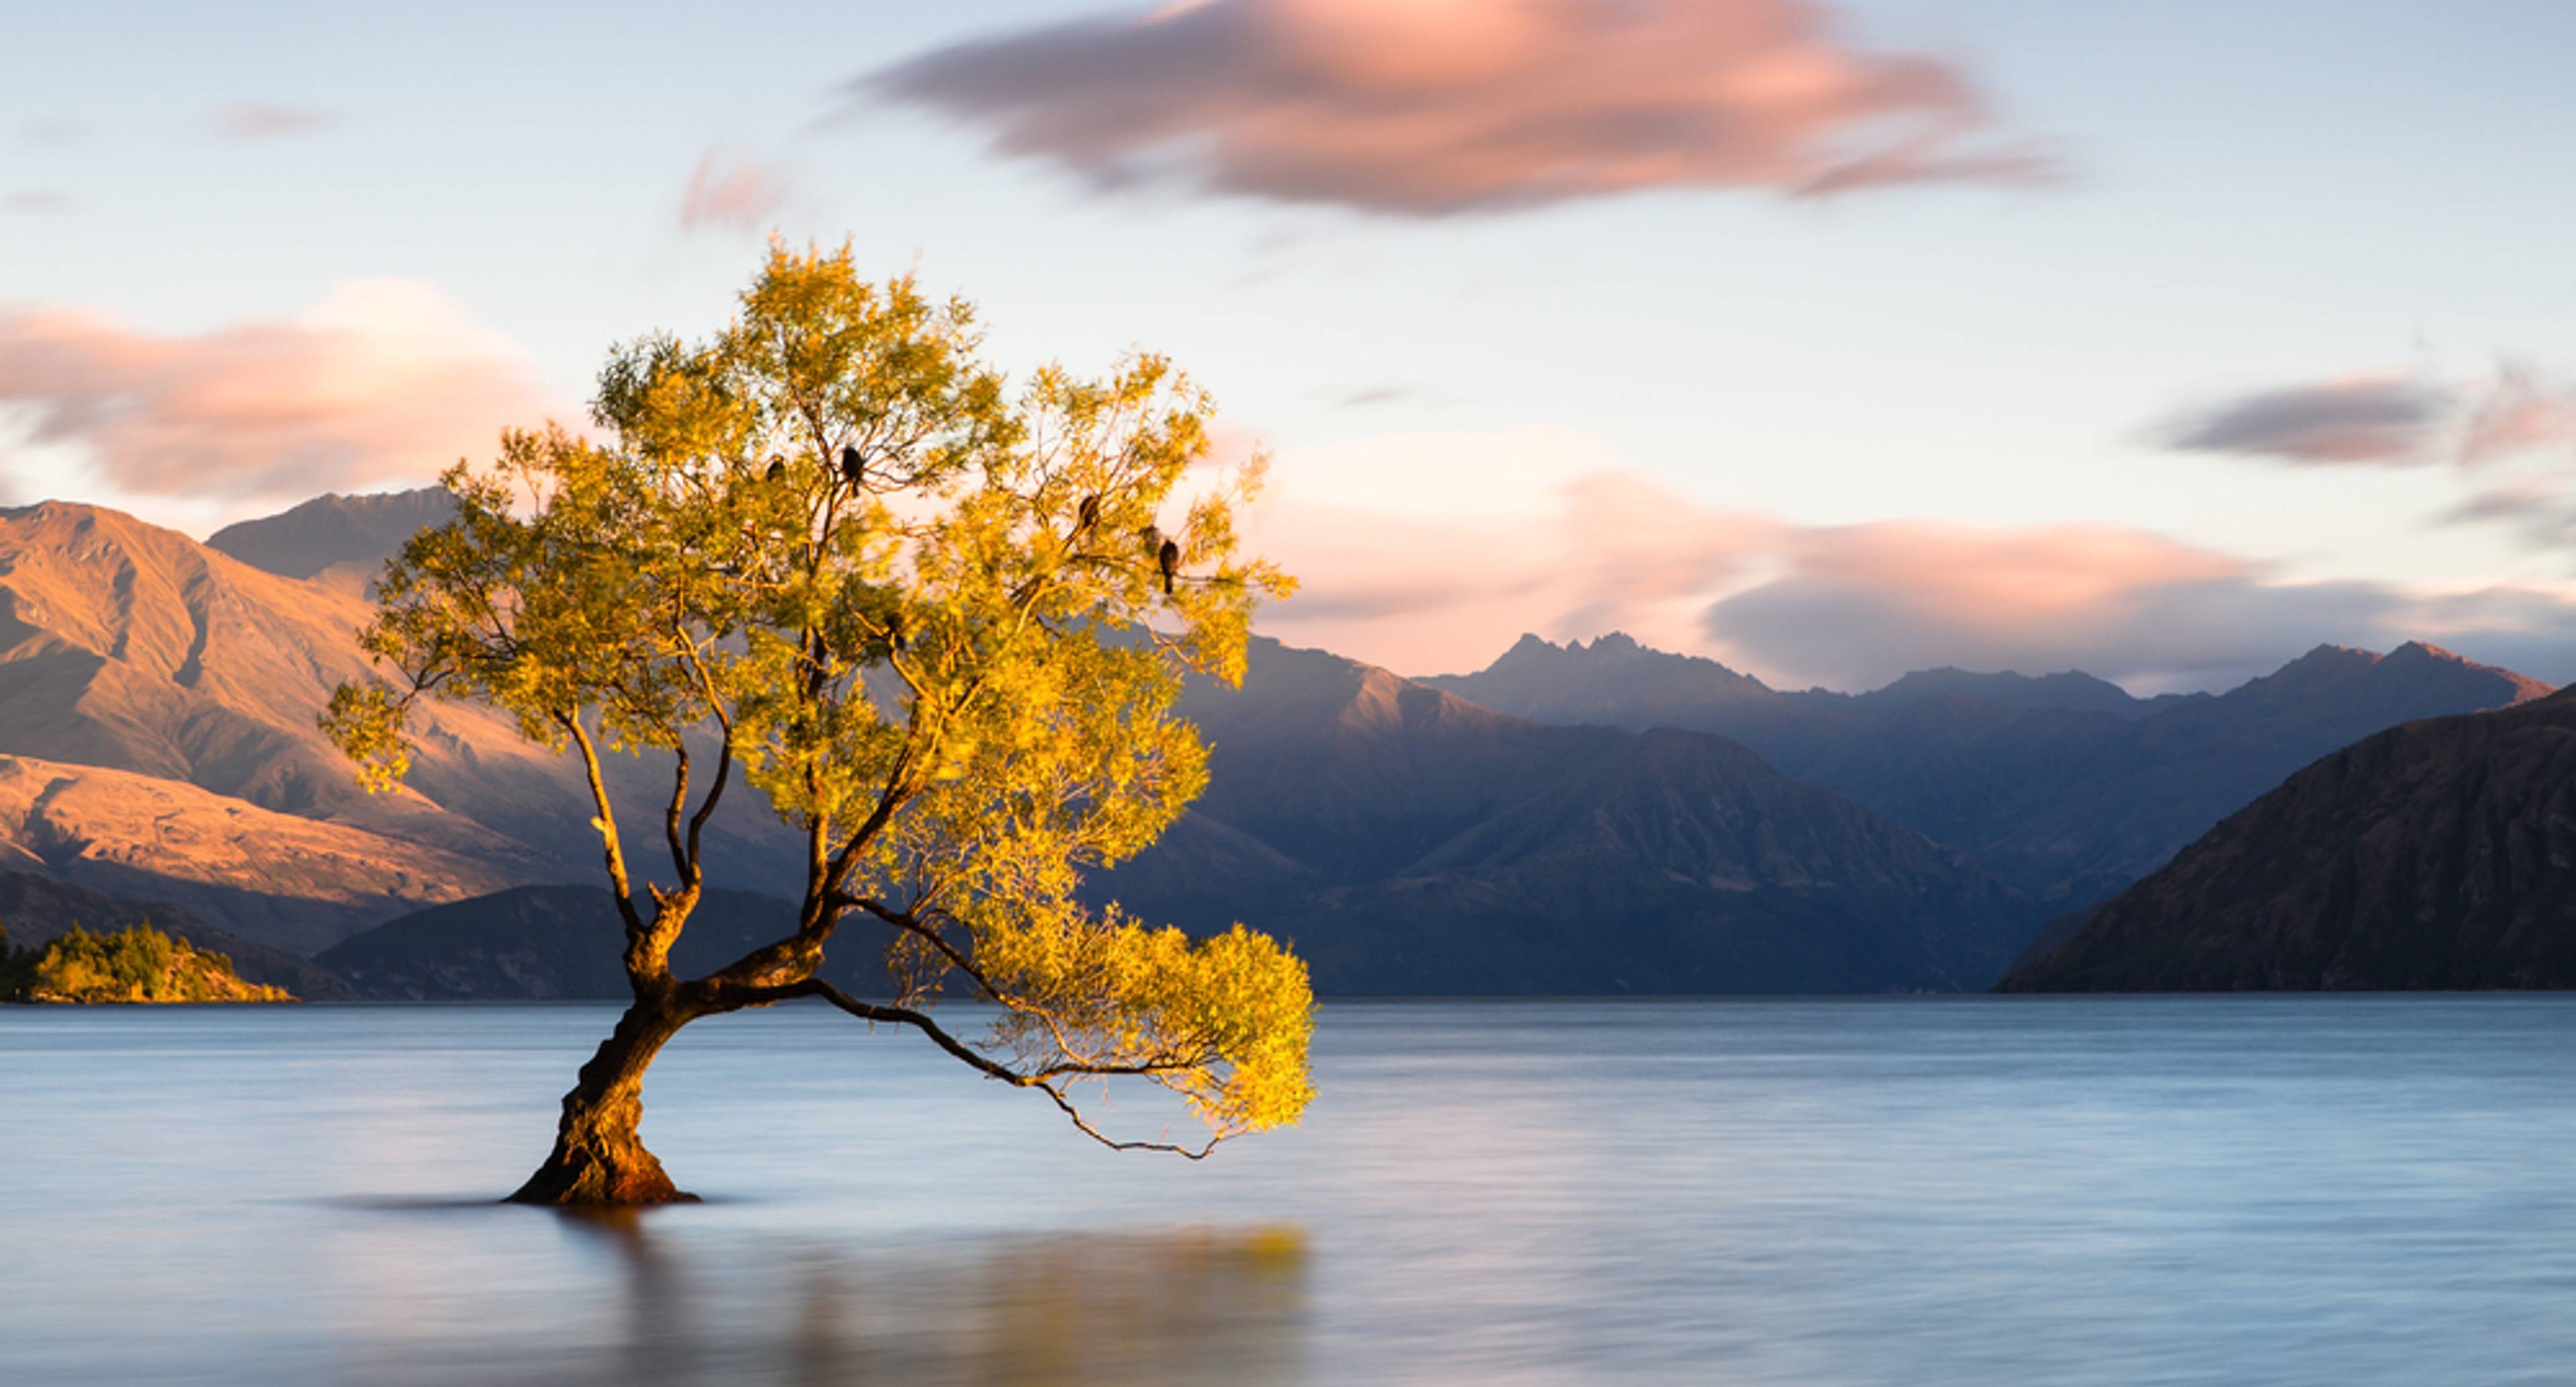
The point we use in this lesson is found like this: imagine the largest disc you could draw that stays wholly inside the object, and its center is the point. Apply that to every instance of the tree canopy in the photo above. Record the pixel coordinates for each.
(136, 964)
(938, 622)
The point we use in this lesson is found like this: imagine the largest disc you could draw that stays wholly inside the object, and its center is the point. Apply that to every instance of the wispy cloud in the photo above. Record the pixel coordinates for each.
(2510, 437)
(254, 120)
(35, 202)
(2387, 420)
(730, 193)
(1432, 107)
(2519, 412)
(384, 380)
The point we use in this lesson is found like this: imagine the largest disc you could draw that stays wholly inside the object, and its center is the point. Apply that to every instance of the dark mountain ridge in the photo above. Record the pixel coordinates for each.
(1406, 841)
(1411, 841)
(564, 943)
(2437, 854)
(2063, 785)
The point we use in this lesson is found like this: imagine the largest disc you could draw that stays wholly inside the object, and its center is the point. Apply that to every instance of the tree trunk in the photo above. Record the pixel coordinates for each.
(598, 1156)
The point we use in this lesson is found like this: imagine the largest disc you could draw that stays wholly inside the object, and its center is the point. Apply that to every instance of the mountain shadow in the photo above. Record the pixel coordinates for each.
(2436, 855)
(563, 943)
(1410, 841)
(2063, 785)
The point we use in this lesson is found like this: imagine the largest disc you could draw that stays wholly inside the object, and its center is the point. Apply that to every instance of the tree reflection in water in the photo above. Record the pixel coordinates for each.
(1054, 1310)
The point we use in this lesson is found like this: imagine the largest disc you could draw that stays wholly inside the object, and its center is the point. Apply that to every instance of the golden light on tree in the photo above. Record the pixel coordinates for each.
(928, 617)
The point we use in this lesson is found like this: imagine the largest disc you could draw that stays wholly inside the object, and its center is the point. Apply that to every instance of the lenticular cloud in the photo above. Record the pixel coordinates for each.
(384, 380)
(1432, 107)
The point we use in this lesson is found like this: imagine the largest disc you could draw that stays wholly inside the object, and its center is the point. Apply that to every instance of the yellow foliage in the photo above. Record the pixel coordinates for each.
(924, 614)
(139, 964)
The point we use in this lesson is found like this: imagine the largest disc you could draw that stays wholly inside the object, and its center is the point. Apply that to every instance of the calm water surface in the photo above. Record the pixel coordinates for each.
(2101, 1191)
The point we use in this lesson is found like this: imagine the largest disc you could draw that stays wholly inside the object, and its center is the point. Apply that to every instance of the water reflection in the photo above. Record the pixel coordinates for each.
(1182, 1306)
(2288, 1192)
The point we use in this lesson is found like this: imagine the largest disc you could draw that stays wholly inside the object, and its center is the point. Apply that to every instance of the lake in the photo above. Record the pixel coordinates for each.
(2236, 1190)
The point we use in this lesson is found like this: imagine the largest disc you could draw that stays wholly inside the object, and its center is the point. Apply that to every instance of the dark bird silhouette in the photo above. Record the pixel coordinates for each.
(894, 632)
(854, 466)
(1088, 514)
(777, 470)
(1170, 556)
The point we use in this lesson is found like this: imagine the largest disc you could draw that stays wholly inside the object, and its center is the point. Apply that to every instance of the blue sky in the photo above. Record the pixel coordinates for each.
(1937, 417)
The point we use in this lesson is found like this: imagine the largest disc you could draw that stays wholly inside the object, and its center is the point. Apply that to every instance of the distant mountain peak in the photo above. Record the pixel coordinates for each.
(1547, 682)
(332, 531)
(1534, 651)
(2428, 653)
(2433, 657)
(2070, 690)
(2414, 662)
(2327, 654)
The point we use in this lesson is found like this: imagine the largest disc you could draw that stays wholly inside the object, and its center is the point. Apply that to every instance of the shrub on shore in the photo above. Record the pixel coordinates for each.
(140, 964)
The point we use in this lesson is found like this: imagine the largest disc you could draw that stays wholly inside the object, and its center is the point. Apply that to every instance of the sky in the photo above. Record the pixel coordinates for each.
(1827, 340)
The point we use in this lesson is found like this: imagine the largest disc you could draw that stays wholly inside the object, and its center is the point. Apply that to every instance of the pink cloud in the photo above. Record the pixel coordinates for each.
(1432, 553)
(1855, 606)
(382, 381)
(730, 194)
(2520, 413)
(1429, 107)
(2011, 576)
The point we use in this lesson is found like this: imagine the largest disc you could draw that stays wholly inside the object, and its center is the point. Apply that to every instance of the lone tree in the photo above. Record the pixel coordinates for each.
(928, 619)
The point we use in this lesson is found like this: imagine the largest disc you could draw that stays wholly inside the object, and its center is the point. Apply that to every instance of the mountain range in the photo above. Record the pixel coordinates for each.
(1599, 818)
(2063, 785)
(1410, 841)
(158, 738)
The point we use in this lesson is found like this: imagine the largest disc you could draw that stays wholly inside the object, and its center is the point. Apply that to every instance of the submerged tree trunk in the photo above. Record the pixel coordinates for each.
(598, 1156)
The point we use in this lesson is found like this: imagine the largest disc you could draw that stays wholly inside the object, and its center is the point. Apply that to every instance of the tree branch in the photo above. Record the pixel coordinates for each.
(1074, 1115)
(906, 1016)
(606, 823)
(724, 763)
(680, 863)
(912, 923)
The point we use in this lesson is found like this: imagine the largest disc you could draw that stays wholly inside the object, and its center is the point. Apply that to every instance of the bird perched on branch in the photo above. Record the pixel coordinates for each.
(854, 466)
(894, 632)
(777, 469)
(1087, 514)
(1170, 557)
